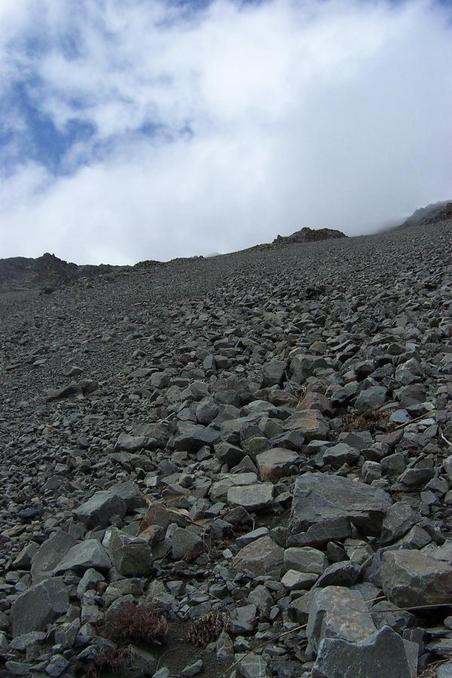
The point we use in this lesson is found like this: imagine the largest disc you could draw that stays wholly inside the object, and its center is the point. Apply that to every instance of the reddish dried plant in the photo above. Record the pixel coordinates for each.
(131, 623)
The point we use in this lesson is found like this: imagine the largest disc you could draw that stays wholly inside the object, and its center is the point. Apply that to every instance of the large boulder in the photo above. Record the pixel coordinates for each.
(384, 653)
(81, 557)
(100, 508)
(338, 612)
(39, 606)
(412, 578)
(50, 553)
(325, 507)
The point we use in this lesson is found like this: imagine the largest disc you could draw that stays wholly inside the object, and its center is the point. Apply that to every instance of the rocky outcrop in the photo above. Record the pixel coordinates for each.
(307, 234)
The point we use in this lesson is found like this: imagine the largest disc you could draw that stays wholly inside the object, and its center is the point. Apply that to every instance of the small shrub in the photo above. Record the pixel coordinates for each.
(372, 420)
(131, 623)
(206, 629)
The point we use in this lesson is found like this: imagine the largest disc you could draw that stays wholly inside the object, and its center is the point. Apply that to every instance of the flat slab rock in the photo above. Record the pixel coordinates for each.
(412, 578)
(251, 497)
(384, 653)
(262, 556)
(325, 507)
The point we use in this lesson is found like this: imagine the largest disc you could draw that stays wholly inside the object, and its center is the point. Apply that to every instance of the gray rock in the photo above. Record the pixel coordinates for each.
(340, 454)
(57, 666)
(243, 619)
(324, 508)
(206, 411)
(370, 398)
(251, 497)
(262, 599)
(39, 606)
(229, 454)
(444, 670)
(23, 560)
(81, 557)
(411, 578)
(224, 647)
(399, 519)
(344, 573)
(262, 556)
(131, 556)
(273, 372)
(305, 559)
(277, 463)
(196, 437)
(130, 443)
(100, 508)
(50, 553)
(193, 669)
(338, 612)
(298, 609)
(383, 653)
(296, 581)
(310, 423)
(252, 666)
(130, 493)
(186, 544)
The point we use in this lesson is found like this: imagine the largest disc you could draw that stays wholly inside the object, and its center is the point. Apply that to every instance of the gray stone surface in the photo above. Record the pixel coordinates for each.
(100, 508)
(411, 578)
(383, 653)
(262, 556)
(338, 612)
(37, 607)
(50, 554)
(324, 507)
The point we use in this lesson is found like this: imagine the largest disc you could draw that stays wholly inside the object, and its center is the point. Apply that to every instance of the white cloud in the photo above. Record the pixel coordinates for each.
(302, 113)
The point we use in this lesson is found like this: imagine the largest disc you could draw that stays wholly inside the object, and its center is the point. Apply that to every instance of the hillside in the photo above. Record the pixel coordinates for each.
(256, 444)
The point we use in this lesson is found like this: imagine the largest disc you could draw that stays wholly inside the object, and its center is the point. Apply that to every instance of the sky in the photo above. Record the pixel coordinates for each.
(154, 129)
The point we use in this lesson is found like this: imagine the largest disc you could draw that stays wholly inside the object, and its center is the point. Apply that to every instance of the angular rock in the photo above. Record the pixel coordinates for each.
(251, 497)
(186, 544)
(195, 438)
(325, 507)
(340, 454)
(310, 423)
(383, 653)
(130, 443)
(370, 398)
(97, 511)
(262, 556)
(338, 612)
(131, 556)
(39, 606)
(130, 493)
(305, 559)
(273, 372)
(411, 578)
(50, 554)
(81, 557)
(277, 463)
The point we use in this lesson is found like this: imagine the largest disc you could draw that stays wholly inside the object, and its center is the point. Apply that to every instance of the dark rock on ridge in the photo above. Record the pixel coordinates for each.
(307, 234)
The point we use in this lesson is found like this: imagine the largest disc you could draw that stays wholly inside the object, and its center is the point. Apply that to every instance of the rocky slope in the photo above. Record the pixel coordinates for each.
(254, 446)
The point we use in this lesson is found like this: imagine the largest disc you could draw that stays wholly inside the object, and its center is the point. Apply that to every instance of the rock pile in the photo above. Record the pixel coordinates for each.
(256, 448)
